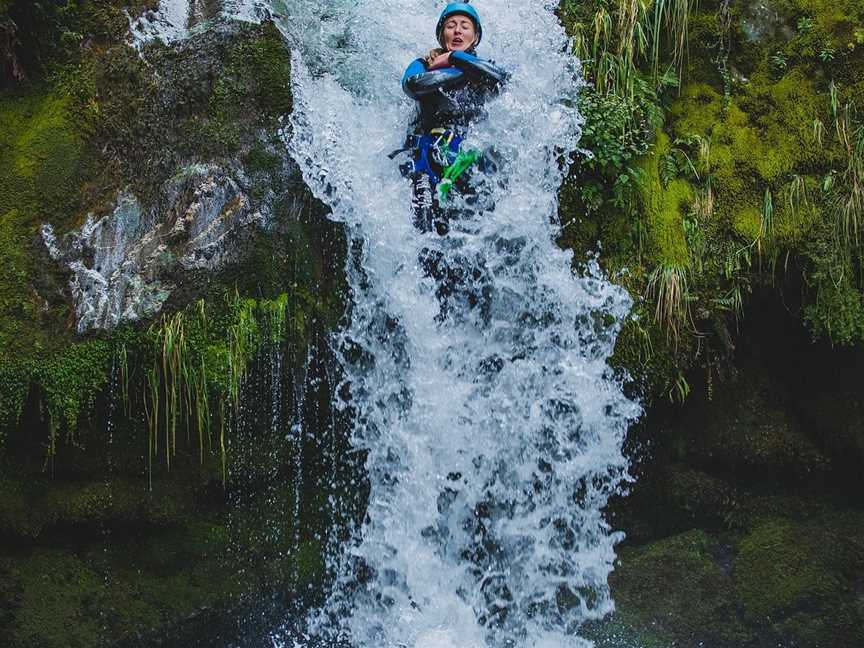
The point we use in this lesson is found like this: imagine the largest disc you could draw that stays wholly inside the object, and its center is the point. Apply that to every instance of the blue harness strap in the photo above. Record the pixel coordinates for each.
(436, 150)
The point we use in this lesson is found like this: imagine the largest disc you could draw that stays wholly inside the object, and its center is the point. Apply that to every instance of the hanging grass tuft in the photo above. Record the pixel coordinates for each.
(667, 288)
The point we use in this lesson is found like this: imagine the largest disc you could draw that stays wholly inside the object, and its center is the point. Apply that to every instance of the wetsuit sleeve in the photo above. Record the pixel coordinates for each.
(417, 81)
(477, 69)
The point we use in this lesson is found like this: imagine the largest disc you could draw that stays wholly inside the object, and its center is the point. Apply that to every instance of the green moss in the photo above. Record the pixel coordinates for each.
(71, 379)
(60, 602)
(43, 158)
(68, 381)
(115, 586)
(43, 162)
(664, 208)
(18, 316)
(694, 494)
(837, 309)
(15, 510)
(36, 510)
(699, 606)
(48, 35)
(798, 578)
(87, 600)
(747, 222)
(782, 112)
(758, 140)
(253, 89)
(837, 21)
(764, 110)
(115, 503)
(790, 579)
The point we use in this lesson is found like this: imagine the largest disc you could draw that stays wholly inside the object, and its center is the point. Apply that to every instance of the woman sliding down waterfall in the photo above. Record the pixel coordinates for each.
(450, 85)
(474, 358)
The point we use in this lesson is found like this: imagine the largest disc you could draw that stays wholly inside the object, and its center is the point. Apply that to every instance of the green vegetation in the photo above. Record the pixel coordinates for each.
(199, 360)
(785, 579)
(196, 361)
(797, 577)
(726, 154)
(217, 99)
(254, 86)
(94, 552)
(701, 605)
(37, 37)
(78, 123)
(43, 162)
(727, 148)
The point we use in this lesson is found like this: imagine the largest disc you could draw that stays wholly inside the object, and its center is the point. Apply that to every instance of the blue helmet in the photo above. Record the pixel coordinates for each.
(459, 8)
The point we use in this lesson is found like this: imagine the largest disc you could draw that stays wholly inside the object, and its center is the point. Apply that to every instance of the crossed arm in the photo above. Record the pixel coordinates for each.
(419, 80)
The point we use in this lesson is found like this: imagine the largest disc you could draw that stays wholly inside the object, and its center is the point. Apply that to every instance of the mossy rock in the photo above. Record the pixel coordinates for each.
(800, 578)
(122, 588)
(678, 589)
(669, 498)
(43, 161)
(43, 156)
(758, 141)
(837, 420)
(793, 578)
(40, 509)
(692, 494)
(58, 603)
(836, 25)
(664, 208)
(748, 429)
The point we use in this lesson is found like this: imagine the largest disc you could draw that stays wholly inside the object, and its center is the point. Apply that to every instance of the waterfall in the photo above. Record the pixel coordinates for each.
(491, 423)
(493, 434)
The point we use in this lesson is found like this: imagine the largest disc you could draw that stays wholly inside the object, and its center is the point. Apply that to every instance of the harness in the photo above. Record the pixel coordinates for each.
(438, 154)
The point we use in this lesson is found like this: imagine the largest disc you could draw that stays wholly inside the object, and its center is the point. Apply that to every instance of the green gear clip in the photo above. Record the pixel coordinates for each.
(463, 160)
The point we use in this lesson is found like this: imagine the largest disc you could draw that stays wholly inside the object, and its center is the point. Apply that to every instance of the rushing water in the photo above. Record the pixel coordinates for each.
(493, 436)
(490, 419)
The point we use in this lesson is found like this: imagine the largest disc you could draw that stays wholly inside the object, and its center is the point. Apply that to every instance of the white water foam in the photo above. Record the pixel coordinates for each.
(493, 440)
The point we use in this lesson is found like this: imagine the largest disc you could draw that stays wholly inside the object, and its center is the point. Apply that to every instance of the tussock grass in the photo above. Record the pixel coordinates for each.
(847, 200)
(667, 288)
(197, 375)
(640, 31)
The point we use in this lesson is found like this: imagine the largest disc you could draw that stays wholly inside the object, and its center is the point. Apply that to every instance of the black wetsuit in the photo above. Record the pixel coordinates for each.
(451, 99)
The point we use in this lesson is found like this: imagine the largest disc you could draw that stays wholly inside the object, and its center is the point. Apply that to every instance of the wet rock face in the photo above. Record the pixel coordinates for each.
(174, 20)
(126, 264)
(202, 166)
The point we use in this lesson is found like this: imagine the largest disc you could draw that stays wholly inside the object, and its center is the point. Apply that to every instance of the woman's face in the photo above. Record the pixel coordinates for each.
(458, 33)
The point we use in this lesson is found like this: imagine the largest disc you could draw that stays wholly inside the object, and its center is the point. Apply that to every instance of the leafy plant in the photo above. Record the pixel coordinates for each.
(680, 389)
(198, 369)
(818, 132)
(778, 62)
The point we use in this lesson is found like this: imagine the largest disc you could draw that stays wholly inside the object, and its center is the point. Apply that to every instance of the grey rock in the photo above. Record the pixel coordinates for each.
(125, 265)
